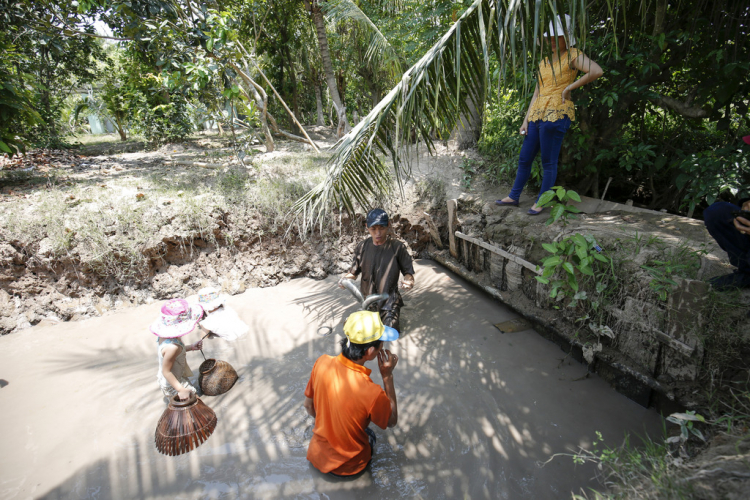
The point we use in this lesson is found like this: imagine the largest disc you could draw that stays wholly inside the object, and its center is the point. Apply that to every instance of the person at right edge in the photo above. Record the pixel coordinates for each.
(380, 258)
(733, 236)
(551, 110)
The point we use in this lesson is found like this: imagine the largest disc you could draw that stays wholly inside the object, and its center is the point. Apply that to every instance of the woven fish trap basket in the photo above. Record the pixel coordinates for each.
(184, 426)
(216, 377)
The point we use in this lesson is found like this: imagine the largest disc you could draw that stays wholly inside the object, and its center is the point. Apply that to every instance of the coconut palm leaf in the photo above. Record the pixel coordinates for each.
(426, 104)
(379, 49)
(431, 98)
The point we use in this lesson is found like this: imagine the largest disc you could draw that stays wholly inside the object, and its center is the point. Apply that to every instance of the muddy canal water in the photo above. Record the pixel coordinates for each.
(479, 410)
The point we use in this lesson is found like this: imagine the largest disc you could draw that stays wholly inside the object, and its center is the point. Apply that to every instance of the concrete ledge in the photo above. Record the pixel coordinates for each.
(594, 205)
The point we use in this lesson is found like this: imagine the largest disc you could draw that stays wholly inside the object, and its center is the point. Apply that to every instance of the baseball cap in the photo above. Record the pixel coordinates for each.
(377, 217)
(363, 327)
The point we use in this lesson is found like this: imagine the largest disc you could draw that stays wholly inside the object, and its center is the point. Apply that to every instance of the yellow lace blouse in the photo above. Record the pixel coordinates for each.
(548, 106)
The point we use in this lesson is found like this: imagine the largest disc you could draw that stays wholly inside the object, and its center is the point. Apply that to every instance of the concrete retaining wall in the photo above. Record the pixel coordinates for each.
(650, 347)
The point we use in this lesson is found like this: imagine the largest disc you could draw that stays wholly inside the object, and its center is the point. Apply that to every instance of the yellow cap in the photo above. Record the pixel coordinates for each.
(363, 327)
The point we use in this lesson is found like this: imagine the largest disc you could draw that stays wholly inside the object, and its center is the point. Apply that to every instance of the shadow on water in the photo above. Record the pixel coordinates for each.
(479, 410)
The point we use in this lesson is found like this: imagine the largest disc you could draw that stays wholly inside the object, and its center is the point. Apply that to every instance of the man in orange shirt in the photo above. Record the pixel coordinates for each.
(344, 400)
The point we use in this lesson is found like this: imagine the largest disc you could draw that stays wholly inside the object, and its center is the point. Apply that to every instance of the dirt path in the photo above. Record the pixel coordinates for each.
(479, 409)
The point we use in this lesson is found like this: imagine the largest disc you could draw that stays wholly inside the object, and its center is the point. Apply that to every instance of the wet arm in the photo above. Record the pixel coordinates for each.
(408, 281)
(390, 391)
(170, 355)
(310, 407)
(387, 362)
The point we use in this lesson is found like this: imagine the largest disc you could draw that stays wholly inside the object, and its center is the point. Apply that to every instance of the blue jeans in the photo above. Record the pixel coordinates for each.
(547, 137)
(720, 224)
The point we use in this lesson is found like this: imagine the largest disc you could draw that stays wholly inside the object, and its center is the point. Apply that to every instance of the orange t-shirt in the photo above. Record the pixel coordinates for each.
(346, 401)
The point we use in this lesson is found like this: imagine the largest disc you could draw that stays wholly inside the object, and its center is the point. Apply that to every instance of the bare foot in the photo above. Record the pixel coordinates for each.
(508, 199)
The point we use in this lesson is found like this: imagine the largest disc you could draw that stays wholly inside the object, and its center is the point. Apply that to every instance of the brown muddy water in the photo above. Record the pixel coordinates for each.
(479, 411)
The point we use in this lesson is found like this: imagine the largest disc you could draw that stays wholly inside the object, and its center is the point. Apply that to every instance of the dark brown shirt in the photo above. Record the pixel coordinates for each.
(380, 265)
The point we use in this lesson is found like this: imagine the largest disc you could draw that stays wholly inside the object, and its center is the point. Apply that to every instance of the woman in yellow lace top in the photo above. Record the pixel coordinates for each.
(551, 110)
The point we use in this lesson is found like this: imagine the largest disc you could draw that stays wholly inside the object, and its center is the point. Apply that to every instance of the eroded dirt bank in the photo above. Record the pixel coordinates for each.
(480, 411)
(81, 235)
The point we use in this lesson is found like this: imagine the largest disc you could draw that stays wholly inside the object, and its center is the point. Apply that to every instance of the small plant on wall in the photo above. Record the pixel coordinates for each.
(572, 259)
(557, 199)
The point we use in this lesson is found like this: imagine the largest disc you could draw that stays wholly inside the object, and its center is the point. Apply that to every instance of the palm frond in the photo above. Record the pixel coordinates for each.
(433, 95)
(379, 49)
(425, 105)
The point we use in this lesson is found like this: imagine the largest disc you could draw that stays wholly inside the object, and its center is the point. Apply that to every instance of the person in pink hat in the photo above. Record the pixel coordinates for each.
(177, 319)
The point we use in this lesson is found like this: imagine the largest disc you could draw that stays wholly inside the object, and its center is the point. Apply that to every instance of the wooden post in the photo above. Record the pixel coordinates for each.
(452, 226)
(433, 230)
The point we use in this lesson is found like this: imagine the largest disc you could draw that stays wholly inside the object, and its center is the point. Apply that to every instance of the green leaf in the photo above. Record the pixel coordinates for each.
(601, 257)
(549, 247)
(557, 212)
(580, 240)
(574, 196)
(581, 252)
(572, 282)
(541, 279)
(5, 147)
(551, 261)
(586, 270)
(546, 197)
(569, 268)
(689, 416)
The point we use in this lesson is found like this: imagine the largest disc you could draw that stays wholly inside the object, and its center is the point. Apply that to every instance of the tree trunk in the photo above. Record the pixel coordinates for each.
(325, 56)
(262, 103)
(319, 105)
(369, 77)
(375, 94)
(469, 127)
(120, 130)
(293, 81)
(659, 16)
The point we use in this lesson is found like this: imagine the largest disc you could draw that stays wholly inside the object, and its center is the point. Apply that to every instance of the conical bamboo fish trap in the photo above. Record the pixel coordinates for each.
(216, 377)
(184, 425)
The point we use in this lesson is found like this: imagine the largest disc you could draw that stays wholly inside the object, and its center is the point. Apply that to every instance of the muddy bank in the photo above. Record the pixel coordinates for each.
(480, 411)
(83, 235)
(39, 287)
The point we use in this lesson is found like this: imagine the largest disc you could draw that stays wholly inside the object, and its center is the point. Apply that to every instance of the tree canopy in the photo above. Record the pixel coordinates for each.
(663, 121)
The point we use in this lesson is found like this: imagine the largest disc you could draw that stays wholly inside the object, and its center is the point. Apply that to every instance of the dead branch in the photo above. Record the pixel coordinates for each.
(294, 118)
(682, 108)
(713, 472)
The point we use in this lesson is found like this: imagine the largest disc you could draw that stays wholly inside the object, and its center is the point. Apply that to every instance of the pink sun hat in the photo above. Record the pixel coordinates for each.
(177, 318)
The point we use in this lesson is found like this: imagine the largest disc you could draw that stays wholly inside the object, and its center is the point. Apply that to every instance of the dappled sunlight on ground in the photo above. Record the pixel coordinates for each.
(479, 410)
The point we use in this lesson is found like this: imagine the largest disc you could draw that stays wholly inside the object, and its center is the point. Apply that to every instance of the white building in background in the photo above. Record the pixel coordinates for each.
(101, 126)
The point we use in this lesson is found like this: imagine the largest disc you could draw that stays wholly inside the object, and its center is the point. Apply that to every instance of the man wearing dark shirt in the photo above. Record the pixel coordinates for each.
(733, 236)
(380, 259)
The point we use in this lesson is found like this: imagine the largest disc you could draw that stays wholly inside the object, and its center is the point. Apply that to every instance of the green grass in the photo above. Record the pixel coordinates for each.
(107, 228)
